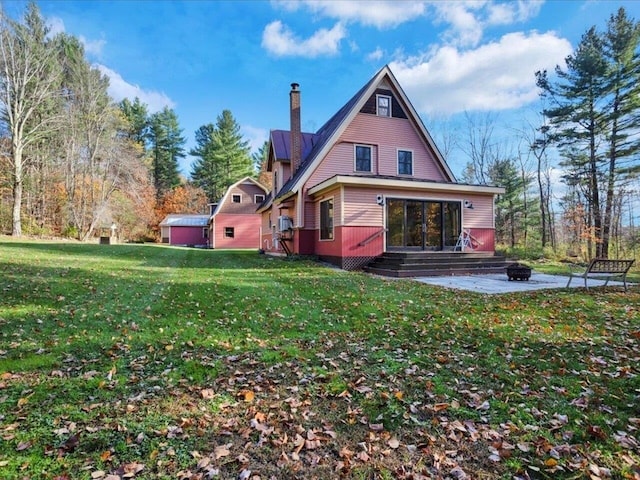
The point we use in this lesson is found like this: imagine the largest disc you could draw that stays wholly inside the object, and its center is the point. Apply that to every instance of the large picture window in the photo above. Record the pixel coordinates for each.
(326, 219)
(405, 162)
(363, 158)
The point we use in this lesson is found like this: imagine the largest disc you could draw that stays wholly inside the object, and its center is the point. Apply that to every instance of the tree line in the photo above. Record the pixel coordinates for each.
(589, 130)
(73, 161)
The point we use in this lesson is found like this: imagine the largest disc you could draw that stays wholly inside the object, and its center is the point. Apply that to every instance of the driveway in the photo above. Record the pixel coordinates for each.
(499, 283)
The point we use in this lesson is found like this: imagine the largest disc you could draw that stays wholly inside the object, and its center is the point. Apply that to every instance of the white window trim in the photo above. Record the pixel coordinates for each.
(355, 158)
(232, 231)
(333, 224)
(233, 197)
(388, 97)
(413, 167)
(255, 198)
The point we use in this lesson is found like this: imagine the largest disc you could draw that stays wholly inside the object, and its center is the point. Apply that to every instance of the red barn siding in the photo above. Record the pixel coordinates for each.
(187, 236)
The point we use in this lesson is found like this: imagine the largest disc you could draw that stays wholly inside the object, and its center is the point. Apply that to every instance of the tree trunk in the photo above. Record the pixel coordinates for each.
(16, 229)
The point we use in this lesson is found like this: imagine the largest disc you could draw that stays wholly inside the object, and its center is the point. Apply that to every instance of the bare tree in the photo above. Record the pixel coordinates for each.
(480, 147)
(28, 78)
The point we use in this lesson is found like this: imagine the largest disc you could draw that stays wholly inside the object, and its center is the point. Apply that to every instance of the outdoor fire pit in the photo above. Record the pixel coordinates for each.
(518, 271)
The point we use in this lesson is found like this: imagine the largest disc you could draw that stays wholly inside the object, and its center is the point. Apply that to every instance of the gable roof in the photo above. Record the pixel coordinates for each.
(329, 133)
(227, 193)
(184, 220)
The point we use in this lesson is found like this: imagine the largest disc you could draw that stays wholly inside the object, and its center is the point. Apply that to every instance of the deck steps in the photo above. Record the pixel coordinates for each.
(429, 264)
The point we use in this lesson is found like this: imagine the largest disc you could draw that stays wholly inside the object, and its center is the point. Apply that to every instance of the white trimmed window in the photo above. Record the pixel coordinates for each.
(236, 198)
(383, 104)
(405, 162)
(326, 219)
(362, 161)
(229, 232)
(258, 198)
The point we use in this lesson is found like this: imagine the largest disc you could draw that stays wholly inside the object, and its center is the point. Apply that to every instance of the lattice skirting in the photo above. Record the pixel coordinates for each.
(349, 263)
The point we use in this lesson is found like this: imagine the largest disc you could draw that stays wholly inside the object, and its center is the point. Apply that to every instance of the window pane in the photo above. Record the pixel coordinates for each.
(405, 162)
(384, 106)
(363, 159)
(326, 220)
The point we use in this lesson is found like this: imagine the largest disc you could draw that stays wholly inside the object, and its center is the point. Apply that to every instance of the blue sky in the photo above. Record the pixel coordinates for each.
(200, 57)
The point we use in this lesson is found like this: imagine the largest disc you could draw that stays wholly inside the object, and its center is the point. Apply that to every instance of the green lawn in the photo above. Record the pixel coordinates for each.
(143, 361)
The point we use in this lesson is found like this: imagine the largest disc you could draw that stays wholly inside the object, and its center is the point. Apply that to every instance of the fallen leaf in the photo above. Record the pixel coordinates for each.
(221, 451)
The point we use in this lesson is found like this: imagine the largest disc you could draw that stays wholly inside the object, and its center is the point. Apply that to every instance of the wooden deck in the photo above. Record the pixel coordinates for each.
(428, 264)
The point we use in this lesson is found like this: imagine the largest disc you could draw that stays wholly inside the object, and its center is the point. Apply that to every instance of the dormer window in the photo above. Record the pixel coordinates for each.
(236, 198)
(384, 105)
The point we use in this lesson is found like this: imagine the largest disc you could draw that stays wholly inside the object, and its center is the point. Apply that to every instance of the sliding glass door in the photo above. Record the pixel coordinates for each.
(422, 224)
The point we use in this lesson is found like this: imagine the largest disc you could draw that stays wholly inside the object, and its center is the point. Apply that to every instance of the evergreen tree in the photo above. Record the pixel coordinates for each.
(137, 117)
(260, 160)
(576, 101)
(223, 156)
(509, 205)
(204, 170)
(622, 87)
(166, 145)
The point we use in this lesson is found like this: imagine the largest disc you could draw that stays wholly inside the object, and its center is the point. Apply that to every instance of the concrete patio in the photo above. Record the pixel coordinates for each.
(499, 283)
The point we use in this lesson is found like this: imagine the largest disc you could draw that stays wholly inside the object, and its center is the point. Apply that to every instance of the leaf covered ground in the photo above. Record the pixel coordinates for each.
(142, 361)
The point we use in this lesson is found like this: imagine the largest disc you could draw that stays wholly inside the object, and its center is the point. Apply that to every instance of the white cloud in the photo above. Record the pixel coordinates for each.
(378, 13)
(468, 20)
(120, 89)
(495, 76)
(255, 135)
(376, 55)
(280, 40)
(55, 25)
(92, 47)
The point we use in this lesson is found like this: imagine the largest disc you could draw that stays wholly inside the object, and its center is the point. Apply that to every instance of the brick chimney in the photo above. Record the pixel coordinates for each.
(296, 131)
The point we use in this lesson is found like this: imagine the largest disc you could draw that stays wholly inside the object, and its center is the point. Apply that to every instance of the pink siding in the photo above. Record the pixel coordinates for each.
(481, 215)
(187, 236)
(246, 231)
(387, 135)
(247, 205)
(361, 208)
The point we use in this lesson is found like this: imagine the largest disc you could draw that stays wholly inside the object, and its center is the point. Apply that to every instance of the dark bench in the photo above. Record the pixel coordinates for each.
(604, 268)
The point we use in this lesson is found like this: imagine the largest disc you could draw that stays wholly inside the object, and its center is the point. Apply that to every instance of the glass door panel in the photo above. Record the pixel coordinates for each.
(434, 226)
(423, 225)
(414, 222)
(395, 223)
(452, 227)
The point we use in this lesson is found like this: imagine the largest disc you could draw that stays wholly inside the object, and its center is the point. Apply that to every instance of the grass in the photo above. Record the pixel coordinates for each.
(145, 361)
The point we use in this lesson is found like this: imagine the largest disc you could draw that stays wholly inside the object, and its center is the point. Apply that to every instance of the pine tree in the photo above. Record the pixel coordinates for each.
(166, 145)
(223, 156)
(260, 159)
(622, 87)
(576, 102)
(137, 116)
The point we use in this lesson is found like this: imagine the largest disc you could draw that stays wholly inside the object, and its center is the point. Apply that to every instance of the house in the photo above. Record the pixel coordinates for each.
(234, 222)
(371, 180)
(185, 230)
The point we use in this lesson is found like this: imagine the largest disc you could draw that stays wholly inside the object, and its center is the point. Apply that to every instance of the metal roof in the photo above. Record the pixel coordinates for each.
(185, 220)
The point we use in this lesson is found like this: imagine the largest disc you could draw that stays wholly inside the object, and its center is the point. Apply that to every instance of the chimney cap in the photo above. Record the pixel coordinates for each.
(294, 86)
